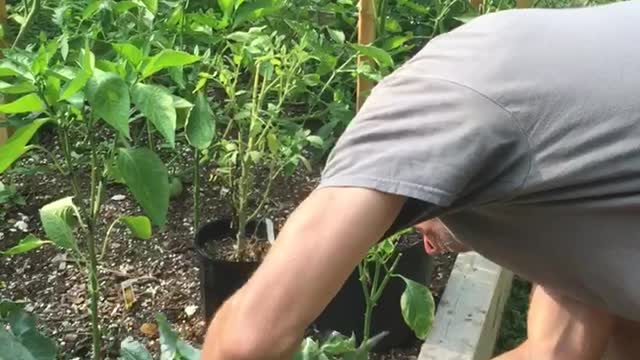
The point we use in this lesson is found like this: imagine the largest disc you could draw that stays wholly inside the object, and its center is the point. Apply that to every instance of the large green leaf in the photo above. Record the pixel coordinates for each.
(21, 87)
(26, 104)
(166, 59)
(418, 308)
(56, 219)
(17, 144)
(140, 226)
(157, 105)
(108, 96)
(25, 245)
(151, 5)
(21, 322)
(40, 346)
(201, 125)
(147, 179)
(256, 9)
(380, 56)
(11, 348)
(129, 52)
(133, 350)
(75, 85)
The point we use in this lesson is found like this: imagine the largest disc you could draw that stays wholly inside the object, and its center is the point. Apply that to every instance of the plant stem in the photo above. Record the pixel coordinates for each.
(107, 237)
(149, 135)
(94, 294)
(368, 310)
(67, 156)
(196, 190)
(51, 156)
(35, 9)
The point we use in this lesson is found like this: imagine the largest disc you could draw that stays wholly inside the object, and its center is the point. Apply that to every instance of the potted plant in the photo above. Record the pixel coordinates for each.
(257, 73)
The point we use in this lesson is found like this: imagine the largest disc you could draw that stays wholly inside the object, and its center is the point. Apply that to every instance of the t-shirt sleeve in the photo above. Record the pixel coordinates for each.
(442, 145)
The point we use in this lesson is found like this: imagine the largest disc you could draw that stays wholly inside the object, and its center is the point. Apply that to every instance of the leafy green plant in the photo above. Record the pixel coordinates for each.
(80, 97)
(256, 138)
(19, 336)
(376, 270)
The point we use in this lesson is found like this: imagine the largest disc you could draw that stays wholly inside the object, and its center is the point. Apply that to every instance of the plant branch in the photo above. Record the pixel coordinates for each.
(35, 9)
(56, 163)
(105, 242)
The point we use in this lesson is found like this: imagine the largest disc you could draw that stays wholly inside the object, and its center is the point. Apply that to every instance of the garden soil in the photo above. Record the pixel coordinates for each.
(138, 279)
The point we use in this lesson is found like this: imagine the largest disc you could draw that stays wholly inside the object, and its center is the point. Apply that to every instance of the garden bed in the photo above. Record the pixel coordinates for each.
(162, 271)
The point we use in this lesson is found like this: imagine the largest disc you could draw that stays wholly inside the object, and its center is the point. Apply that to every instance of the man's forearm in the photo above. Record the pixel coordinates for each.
(319, 246)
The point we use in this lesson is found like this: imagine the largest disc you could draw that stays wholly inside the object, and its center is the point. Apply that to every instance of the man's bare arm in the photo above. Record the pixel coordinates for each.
(319, 246)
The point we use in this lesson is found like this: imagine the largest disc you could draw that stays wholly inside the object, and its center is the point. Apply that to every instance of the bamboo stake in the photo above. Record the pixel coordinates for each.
(366, 36)
(523, 4)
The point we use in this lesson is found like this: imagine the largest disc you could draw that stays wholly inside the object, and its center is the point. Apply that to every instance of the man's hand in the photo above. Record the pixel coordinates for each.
(318, 248)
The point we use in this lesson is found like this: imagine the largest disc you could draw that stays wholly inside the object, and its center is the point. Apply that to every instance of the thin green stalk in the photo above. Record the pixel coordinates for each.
(382, 15)
(196, 190)
(94, 293)
(56, 163)
(66, 149)
(149, 135)
(107, 237)
(386, 278)
(35, 9)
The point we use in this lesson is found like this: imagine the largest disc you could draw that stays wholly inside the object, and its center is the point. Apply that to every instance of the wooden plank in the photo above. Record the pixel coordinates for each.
(366, 36)
(470, 311)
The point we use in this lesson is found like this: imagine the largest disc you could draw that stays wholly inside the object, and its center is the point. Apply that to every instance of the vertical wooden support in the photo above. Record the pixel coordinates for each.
(523, 4)
(366, 36)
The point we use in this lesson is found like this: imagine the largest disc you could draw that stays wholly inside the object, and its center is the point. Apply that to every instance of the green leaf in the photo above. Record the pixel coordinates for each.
(108, 96)
(39, 64)
(87, 60)
(26, 104)
(124, 6)
(315, 140)
(418, 308)
(25, 245)
(187, 352)
(241, 36)
(8, 307)
(40, 346)
(75, 85)
(256, 9)
(200, 127)
(151, 5)
(11, 348)
(157, 105)
(168, 338)
(147, 179)
(56, 219)
(52, 90)
(380, 56)
(17, 88)
(17, 144)
(227, 7)
(140, 226)
(8, 68)
(338, 344)
(309, 350)
(133, 350)
(91, 9)
(272, 143)
(21, 322)
(395, 42)
(129, 52)
(166, 59)
(337, 35)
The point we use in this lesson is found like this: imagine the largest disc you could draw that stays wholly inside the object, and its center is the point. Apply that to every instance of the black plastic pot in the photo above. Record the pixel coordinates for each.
(220, 279)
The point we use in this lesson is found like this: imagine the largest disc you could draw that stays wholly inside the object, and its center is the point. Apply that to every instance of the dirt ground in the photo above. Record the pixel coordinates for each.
(162, 271)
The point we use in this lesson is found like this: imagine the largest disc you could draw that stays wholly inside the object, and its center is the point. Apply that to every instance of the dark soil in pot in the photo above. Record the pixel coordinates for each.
(219, 279)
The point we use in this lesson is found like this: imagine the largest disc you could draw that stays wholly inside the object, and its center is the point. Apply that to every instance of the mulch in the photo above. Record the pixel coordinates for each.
(162, 272)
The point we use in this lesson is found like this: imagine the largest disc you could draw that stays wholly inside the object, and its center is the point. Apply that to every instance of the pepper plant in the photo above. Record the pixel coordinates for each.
(376, 270)
(82, 95)
(257, 139)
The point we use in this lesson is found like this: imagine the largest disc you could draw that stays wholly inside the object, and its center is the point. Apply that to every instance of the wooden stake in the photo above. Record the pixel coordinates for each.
(366, 36)
(523, 3)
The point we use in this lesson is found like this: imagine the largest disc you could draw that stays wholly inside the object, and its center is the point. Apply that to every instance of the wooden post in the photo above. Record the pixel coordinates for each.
(523, 3)
(366, 36)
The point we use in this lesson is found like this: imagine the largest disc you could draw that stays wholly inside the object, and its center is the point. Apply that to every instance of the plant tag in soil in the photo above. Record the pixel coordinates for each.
(128, 294)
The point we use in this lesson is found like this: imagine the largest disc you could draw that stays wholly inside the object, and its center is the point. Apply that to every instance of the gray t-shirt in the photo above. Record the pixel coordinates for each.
(521, 131)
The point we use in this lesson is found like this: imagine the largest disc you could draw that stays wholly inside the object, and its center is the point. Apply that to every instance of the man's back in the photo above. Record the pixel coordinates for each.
(526, 135)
